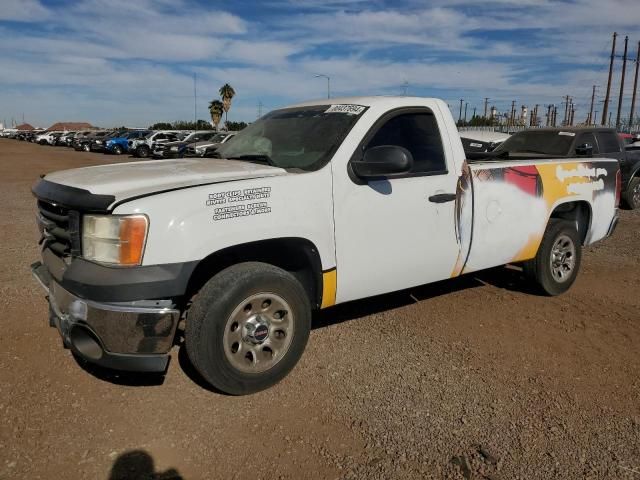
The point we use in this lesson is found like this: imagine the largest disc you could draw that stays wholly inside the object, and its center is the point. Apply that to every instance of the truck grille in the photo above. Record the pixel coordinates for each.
(60, 229)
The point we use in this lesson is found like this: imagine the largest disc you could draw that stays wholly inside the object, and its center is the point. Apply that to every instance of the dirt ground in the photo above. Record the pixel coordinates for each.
(475, 378)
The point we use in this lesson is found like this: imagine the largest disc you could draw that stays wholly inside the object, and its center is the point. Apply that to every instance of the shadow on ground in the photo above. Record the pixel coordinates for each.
(139, 465)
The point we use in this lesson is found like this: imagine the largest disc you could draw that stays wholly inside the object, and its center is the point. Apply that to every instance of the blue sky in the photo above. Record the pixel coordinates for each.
(131, 62)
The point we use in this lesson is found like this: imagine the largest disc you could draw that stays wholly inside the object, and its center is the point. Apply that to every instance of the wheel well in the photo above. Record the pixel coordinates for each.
(578, 212)
(298, 256)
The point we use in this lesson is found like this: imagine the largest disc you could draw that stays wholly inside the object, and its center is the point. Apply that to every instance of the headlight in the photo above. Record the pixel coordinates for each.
(114, 239)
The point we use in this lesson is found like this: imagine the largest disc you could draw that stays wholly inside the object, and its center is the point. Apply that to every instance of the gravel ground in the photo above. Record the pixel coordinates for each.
(475, 378)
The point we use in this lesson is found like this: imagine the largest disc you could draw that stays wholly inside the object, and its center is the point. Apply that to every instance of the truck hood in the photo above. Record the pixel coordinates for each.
(126, 180)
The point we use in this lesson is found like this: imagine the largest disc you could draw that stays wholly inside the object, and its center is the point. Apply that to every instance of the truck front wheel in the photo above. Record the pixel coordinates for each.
(556, 265)
(247, 327)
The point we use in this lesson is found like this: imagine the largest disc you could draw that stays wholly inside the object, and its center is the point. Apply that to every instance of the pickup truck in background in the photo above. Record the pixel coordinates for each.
(482, 140)
(201, 149)
(310, 206)
(581, 142)
(143, 147)
(178, 149)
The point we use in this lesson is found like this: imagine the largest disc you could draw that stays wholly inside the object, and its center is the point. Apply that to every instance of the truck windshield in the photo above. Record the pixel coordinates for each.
(303, 137)
(539, 142)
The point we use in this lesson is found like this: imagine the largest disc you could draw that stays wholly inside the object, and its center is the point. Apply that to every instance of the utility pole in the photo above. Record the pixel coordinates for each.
(572, 116)
(590, 117)
(609, 124)
(555, 116)
(260, 109)
(474, 113)
(486, 103)
(595, 117)
(466, 104)
(624, 68)
(513, 113)
(605, 108)
(460, 114)
(548, 115)
(566, 110)
(195, 103)
(635, 89)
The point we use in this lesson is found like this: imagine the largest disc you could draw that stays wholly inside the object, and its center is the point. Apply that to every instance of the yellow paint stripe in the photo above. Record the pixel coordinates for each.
(329, 283)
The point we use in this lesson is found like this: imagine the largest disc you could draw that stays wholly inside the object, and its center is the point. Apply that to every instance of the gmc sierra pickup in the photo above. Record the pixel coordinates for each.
(312, 205)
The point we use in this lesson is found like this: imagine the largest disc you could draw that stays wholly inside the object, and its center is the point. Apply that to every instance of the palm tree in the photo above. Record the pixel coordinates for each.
(226, 93)
(215, 109)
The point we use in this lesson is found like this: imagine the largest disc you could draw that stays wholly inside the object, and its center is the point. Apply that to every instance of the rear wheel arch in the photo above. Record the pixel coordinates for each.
(296, 255)
(579, 212)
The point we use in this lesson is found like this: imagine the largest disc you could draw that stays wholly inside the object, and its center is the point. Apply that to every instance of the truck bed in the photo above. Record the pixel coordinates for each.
(503, 207)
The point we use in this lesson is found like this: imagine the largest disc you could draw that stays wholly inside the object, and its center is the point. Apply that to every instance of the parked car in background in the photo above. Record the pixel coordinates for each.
(98, 143)
(206, 148)
(64, 139)
(48, 138)
(177, 149)
(143, 147)
(120, 144)
(85, 142)
(584, 142)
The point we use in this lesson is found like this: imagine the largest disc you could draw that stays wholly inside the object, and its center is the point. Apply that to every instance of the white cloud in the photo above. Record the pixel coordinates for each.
(123, 59)
(23, 11)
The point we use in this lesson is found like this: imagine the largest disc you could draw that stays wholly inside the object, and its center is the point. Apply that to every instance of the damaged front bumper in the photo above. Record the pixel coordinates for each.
(133, 336)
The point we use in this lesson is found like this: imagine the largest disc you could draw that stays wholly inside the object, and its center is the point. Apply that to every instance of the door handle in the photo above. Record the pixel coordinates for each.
(442, 197)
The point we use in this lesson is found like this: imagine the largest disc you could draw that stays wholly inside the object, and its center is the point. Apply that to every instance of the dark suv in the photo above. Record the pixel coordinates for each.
(574, 142)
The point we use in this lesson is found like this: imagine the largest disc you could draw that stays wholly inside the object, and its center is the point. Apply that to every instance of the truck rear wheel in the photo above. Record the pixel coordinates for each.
(631, 195)
(556, 265)
(248, 327)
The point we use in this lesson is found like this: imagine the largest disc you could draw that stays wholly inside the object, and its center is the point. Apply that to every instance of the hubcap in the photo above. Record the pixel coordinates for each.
(258, 333)
(563, 258)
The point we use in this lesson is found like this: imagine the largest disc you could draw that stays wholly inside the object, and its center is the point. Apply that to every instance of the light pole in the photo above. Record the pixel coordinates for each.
(319, 75)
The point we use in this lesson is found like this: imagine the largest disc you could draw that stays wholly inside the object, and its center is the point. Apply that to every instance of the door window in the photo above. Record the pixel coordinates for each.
(608, 142)
(418, 133)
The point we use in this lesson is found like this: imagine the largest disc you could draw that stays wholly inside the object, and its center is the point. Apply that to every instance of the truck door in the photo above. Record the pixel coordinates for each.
(398, 232)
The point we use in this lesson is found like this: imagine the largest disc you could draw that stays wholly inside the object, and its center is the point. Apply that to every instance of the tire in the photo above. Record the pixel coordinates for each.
(143, 151)
(86, 147)
(560, 240)
(117, 150)
(226, 327)
(631, 195)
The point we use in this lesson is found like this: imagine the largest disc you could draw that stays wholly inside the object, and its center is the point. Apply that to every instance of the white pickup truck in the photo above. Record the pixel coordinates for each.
(312, 205)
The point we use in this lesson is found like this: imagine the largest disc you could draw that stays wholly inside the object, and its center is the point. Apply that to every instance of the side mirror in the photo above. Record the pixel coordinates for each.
(383, 161)
(584, 150)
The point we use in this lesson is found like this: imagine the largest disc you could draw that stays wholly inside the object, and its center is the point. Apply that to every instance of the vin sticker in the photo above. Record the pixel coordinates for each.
(478, 145)
(349, 109)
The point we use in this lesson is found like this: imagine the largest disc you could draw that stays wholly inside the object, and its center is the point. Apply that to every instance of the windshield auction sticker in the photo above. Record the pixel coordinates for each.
(238, 208)
(350, 109)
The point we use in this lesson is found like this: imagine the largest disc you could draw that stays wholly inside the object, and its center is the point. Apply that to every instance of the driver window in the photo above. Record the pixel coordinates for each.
(418, 133)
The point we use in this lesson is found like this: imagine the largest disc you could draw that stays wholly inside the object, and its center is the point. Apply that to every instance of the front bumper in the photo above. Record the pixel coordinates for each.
(133, 336)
